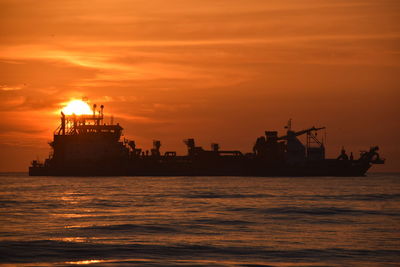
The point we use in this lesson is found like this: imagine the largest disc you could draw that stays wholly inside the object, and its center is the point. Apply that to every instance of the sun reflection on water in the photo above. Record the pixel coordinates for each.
(85, 262)
(74, 239)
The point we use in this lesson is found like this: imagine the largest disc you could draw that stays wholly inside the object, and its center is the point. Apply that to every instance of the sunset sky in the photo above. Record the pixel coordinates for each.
(219, 71)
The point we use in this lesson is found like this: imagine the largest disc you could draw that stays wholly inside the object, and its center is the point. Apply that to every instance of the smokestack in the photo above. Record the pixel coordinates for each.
(62, 123)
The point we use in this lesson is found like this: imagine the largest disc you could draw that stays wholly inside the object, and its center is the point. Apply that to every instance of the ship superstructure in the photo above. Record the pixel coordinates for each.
(85, 145)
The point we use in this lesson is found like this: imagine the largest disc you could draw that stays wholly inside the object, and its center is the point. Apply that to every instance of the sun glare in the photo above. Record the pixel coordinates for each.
(77, 107)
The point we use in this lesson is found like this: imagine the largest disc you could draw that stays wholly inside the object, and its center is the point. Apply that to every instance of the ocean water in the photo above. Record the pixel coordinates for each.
(200, 221)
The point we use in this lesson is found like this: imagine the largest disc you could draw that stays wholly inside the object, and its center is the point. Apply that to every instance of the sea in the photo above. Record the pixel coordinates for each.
(200, 221)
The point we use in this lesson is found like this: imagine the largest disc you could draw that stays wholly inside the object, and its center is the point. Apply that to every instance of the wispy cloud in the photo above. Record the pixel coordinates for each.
(11, 87)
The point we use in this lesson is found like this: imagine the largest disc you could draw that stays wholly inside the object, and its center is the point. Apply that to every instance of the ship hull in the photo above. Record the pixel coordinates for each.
(238, 168)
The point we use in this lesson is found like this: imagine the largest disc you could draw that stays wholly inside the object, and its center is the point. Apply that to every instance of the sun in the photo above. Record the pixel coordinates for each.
(77, 107)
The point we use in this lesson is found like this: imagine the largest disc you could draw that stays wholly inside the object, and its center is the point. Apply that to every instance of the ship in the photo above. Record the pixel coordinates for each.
(85, 145)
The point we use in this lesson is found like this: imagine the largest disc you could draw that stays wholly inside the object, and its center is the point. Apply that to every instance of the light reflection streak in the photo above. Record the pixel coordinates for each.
(74, 239)
(136, 260)
(197, 261)
(85, 262)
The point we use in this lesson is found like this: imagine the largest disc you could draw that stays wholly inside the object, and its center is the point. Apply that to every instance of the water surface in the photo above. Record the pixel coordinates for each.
(200, 221)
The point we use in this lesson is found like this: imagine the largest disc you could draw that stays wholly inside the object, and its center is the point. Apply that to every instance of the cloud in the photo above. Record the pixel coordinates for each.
(11, 87)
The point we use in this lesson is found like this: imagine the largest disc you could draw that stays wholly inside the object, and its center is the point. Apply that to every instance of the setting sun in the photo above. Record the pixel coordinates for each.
(77, 107)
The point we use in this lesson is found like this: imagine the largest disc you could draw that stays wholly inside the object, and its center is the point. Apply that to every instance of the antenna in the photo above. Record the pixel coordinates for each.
(94, 110)
(101, 113)
(289, 125)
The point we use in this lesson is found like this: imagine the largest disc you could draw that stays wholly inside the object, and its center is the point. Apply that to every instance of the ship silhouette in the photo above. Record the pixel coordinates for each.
(85, 145)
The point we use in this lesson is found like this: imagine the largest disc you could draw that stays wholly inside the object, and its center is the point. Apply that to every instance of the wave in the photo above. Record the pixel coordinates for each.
(356, 197)
(315, 211)
(220, 195)
(127, 228)
(222, 222)
(56, 251)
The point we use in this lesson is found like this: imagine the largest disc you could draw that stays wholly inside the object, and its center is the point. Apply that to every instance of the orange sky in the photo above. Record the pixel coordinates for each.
(220, 71)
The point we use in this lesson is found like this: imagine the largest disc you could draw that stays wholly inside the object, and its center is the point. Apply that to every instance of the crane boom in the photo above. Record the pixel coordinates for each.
(300, 132)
